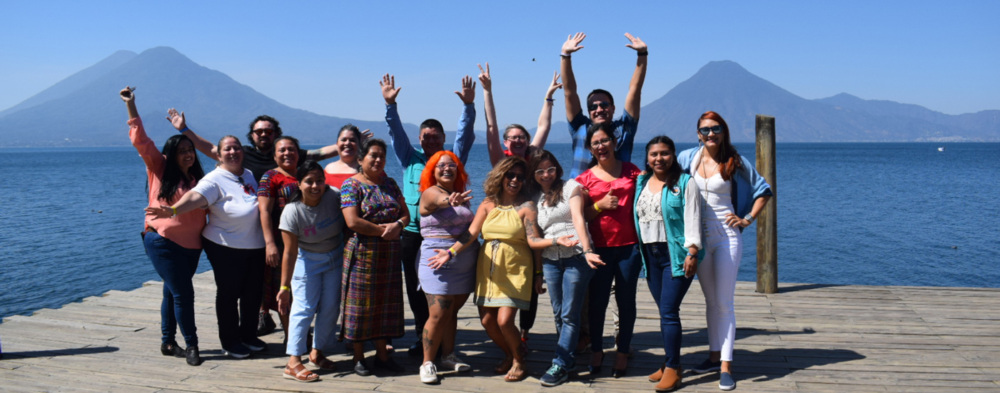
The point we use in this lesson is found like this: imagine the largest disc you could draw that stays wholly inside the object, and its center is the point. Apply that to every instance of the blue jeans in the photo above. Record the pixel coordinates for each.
(176, 265)
(315, 292)
(668, 292)
(567, 280)
(621, 265)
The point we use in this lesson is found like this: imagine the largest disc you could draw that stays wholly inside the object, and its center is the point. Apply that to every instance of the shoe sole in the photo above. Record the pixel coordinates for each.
(236, 355)
(554, 384)
(727, 388)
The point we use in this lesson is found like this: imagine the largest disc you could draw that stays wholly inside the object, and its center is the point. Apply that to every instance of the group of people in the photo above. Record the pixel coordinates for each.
(285, 234)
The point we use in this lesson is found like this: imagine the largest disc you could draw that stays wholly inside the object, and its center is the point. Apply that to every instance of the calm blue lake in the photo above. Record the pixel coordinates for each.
(848, 213)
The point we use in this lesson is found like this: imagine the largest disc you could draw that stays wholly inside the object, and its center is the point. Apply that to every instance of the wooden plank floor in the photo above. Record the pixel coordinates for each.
(808, 337)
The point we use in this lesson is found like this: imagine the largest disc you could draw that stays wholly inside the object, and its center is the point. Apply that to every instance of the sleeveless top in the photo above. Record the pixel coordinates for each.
(446, 222)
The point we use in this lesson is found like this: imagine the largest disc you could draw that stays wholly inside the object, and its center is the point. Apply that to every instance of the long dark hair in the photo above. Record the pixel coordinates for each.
(300, 174)
(674, 172)
(173, 176)
(729, 158)
(554, 196)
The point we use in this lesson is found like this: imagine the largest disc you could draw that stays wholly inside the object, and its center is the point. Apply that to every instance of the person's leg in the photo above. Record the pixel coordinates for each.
(553, 273)
(250, 293)
(489, 317)
(228, 273)
(512, 339)
(599, 291)
(159, 254)
(448, 339)
(409, 252)
(306, 289)
(626, 281)
(439, 307)
(325, 333)
(576, 275)
(728, 266)
(708, 280)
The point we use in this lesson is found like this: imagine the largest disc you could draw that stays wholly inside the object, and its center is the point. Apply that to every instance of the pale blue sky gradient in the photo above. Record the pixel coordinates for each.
(327, 57)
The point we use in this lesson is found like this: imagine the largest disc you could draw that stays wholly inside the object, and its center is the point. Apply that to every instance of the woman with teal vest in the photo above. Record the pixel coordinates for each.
(668, 221)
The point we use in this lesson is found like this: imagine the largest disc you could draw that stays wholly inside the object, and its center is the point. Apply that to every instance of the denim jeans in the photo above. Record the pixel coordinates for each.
(567, 281)
(621, 266)
(176, 265)
(315, 292)
(668, 292)
(239, 274)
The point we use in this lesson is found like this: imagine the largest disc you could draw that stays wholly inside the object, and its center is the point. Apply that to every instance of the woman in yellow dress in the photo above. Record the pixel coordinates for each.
(505, 273)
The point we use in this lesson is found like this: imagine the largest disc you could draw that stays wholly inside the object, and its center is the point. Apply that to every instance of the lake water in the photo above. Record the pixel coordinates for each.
(848, 213)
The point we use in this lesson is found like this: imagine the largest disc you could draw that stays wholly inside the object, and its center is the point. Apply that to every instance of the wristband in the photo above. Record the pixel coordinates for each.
(598, 208)
(285, 288)
(550, 99)
(451, 252)
(174, 210)
(693, 255)
(566, 55)
(643, 53)
(400, 221)
(184, 129)
(538, 273)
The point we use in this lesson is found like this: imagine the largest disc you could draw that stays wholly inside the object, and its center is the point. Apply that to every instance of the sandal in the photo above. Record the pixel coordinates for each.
(515, 374)
(300, 373)
(504, 366)
(324, 363)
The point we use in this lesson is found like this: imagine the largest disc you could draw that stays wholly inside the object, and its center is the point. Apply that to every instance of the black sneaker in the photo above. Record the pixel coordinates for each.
(361, 368)
(255, 344)
(192, 355)
(237, 351)
(171, 349)
(388, 365)
(555, 376)
(707, 367)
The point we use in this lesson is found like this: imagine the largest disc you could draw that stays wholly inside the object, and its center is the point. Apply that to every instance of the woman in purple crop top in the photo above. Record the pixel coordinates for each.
(445, 215)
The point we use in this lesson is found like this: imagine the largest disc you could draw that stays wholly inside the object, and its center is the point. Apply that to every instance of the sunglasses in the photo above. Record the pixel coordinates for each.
(547, 171)
(706, 130)
(262, 131)
(514, 176)
(593, 106)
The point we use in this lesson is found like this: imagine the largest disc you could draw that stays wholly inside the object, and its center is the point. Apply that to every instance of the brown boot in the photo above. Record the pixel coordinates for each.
(656, 376)
(670, 380)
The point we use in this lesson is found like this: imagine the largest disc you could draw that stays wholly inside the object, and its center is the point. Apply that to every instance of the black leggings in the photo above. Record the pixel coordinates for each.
(239, 274)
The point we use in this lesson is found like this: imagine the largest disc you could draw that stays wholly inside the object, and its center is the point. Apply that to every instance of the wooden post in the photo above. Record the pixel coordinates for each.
(767, 220)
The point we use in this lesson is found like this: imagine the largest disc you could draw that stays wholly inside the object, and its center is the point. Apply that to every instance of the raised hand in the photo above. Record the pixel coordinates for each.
(468, 92)
(126, 94)
(365, 135)
(484, 77)
(176, 119)
(636, 43)
(556, 85)
(572, 43)
(389, 89)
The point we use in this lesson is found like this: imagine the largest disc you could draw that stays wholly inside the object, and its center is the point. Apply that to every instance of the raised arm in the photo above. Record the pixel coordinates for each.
(545, 116)
(397, 135)
(571, 45)
(466, 135)
(129, 98)
(178, 121)
(633, 101)
(493, 143)
(137, 134)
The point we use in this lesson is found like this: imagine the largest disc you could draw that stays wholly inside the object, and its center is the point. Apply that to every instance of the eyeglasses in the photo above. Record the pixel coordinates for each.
(262, 131)
(593, 105)
(600, 142)
(444, 166)
(517, 137)
(514, 176)
(706, 130)
(547, 171)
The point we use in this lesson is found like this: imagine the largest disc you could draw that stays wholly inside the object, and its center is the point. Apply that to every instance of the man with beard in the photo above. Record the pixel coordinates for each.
(600, 105)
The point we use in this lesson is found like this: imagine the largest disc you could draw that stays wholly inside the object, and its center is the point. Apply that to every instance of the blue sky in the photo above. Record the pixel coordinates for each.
(327, 57)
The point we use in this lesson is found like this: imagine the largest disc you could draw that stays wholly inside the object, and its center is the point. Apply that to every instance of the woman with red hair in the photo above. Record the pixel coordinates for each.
(445, 216)
(732, 194)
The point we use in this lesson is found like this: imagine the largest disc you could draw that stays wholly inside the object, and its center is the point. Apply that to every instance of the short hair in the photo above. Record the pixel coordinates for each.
(432, 123)
(288, 138)
(427, 176)
(365, 147)
(274, 122)
(515, 126)
(601, 91)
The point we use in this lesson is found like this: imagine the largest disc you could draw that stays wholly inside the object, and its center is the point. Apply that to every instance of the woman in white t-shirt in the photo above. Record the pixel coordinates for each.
(234, 244)
(312, 226)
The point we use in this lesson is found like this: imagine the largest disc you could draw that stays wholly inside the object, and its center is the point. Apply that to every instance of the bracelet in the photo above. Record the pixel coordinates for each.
(554, 241)
(550, 99)
(174, 210)
(451, 252)
(400, 221)
(184, 129)
(643, 53)
(285, 288)
(590, 251)
(598, 208)
(693, 255)
(565, 55)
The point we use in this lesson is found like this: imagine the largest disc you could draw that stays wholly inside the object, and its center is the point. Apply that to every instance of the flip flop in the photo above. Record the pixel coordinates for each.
(301, 374)
(515, 375)
(504, 366)
(324, 364)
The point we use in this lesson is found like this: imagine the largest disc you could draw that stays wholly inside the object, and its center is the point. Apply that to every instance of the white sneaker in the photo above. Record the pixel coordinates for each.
(428, 373)
(452, 362)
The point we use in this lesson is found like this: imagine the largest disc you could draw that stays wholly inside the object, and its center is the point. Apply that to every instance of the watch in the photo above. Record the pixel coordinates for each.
(748, 217)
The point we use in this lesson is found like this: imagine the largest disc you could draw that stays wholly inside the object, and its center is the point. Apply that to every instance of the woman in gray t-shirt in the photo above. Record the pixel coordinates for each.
(312, 229)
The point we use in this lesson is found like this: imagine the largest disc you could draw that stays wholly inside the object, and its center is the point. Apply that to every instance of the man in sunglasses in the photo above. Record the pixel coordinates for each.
(258, 155)
(413, 161)
(600, 105)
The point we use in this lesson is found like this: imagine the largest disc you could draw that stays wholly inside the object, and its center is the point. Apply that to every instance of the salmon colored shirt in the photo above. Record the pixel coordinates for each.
(184, 229)
(614, 227)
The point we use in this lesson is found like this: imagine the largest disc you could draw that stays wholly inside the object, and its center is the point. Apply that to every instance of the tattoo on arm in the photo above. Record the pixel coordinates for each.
(464, 237)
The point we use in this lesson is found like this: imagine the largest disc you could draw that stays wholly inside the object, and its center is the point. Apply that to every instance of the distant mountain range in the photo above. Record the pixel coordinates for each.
(83, 109)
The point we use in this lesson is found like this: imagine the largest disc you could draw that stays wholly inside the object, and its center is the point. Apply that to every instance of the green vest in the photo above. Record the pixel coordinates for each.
(672, 206)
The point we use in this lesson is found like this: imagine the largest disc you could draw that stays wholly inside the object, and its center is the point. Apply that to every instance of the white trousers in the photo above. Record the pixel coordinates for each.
(717, 276)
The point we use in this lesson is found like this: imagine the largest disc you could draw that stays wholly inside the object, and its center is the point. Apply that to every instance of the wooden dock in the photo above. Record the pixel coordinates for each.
(807, 337)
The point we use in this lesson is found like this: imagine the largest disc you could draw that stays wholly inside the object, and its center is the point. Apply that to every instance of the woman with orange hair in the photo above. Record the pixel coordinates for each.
(445, 216)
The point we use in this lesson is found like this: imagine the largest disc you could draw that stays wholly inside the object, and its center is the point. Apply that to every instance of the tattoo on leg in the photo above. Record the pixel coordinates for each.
(445, 302)
(428, 343)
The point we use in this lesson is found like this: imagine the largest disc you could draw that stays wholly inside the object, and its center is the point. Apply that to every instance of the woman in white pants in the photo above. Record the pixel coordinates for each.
(733, 194)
